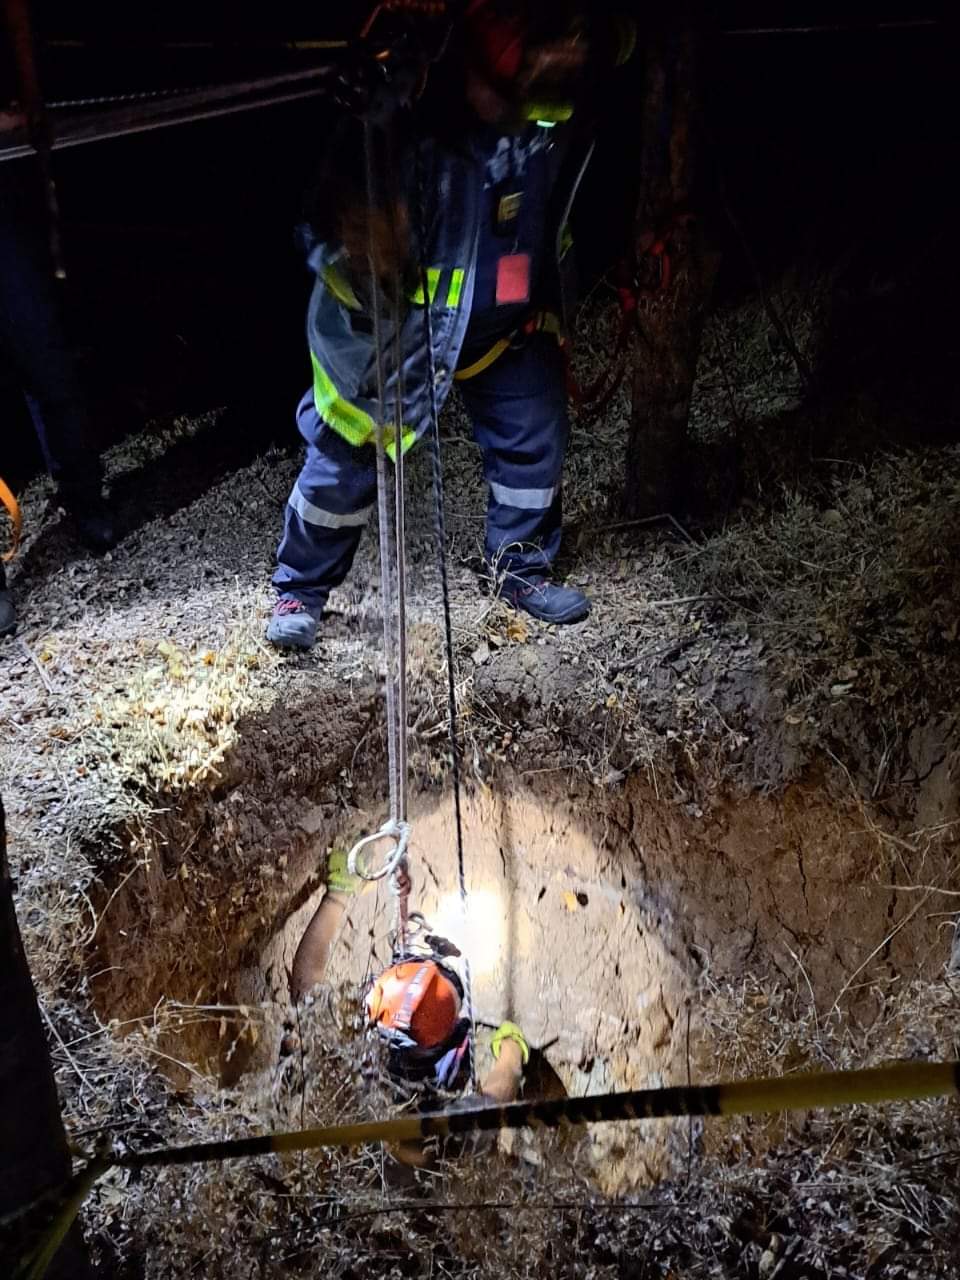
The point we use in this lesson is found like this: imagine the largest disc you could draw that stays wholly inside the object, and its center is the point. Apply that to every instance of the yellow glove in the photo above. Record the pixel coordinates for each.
(338, 876)
(510, 1031)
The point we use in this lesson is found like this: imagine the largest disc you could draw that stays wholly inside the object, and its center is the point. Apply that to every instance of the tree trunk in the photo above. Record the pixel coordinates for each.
(33, 1147)
(676, 272)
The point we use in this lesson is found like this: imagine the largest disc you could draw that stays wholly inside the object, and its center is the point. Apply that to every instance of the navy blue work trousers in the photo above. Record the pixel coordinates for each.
(519, 412)
(34, 345)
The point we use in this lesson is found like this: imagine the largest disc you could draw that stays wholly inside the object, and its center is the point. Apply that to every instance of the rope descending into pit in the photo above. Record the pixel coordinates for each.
(440, 534)
(393, 585)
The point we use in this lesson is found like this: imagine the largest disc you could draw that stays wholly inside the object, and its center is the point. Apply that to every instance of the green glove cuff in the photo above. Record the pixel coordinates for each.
(338, 877)
(510, 1031)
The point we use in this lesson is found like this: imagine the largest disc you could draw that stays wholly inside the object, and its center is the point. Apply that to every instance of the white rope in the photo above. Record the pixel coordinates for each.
(439, 526)
(393, 587)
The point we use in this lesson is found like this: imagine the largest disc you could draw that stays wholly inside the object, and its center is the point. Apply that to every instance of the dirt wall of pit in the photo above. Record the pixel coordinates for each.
(602, 918)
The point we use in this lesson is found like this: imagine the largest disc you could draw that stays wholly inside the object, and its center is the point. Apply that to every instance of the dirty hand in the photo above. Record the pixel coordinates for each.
(510, 1031)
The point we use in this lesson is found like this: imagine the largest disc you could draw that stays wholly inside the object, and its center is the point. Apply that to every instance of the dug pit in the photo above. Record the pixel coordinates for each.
(609, 923)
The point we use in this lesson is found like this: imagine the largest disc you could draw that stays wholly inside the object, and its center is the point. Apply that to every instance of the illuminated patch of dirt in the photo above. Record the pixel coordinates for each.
(608, 923)
(559, 936)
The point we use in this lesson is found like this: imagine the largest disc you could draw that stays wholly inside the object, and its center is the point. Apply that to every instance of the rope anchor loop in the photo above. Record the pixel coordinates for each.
(392, 829)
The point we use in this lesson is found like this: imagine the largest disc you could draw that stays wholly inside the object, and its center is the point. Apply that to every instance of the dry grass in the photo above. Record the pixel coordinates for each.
(836, 597)
(860, 1194)
(853, 590)
(864, 1192)
(178, 714)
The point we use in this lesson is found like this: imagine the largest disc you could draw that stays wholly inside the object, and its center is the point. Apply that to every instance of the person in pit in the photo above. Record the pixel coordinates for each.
(416, 1007)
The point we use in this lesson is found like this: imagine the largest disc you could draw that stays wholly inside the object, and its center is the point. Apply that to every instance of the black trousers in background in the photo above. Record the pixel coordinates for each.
(33, 343)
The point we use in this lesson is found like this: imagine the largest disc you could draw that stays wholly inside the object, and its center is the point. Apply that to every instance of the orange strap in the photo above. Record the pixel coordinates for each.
(13, 510)
(413, 996)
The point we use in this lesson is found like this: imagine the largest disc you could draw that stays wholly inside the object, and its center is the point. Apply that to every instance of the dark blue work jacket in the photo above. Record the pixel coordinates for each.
(455, 193)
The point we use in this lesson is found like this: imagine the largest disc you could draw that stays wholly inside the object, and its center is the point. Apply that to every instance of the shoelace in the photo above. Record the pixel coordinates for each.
(535, 584)
(288, 606)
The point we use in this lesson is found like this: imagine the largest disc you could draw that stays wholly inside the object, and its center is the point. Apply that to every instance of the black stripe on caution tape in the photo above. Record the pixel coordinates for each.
(897, 1082)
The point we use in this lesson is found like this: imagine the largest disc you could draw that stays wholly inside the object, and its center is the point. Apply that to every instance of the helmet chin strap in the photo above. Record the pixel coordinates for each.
(441, 1064)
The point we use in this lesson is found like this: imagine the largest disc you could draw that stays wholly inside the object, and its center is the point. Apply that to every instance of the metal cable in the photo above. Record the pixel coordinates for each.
(401, 560)
(392, 563)
(118, 99)
(400, 880)
(383, 512)
(210, 92)
(440, 533)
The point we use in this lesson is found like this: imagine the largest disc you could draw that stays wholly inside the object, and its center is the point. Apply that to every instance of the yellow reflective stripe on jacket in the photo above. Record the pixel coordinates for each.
(347, 420)
(456, 287)
(339, 286)
(351, 423)
(433, 279)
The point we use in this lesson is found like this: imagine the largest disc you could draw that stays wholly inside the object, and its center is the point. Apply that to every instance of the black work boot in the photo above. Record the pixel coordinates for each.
(545, 600)
(92, 519)
(8, 614)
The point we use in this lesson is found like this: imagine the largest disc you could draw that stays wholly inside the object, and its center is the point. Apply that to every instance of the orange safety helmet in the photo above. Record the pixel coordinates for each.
(416, 1004)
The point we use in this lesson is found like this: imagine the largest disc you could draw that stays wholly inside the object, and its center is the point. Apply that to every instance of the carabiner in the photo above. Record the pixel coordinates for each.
(391, 830)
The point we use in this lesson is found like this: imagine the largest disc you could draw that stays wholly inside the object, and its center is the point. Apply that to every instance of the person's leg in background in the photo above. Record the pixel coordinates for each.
(330, 503)
(519, 411)
(8, 615)
(33, 340)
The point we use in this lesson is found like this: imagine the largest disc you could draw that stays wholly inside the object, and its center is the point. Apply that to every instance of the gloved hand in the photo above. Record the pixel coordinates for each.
(510, 1031)
(339, 878)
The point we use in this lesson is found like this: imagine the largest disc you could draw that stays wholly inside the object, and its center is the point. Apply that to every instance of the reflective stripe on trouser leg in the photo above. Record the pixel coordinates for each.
(327, 509)
(519, 411)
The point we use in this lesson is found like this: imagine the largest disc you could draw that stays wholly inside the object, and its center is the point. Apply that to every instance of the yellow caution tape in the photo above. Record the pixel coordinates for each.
(896, 1082)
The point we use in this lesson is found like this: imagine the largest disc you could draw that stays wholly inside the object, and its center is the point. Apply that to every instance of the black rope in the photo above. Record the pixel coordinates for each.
(440, 533)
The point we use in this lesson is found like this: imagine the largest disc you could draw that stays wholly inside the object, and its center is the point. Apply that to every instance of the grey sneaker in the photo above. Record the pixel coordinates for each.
(293, 625)
(8, 614)
(545, 600)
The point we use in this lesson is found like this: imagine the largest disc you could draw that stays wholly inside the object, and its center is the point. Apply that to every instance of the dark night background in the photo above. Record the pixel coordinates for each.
(185, 289)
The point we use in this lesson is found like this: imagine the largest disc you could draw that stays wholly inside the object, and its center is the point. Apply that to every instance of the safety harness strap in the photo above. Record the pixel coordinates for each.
(13, 511)
(539, 322)
(485, 361)
(416, 989)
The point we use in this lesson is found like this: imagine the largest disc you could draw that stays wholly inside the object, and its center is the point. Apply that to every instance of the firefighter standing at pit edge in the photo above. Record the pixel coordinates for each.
(416, 1006)
(497, 181)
